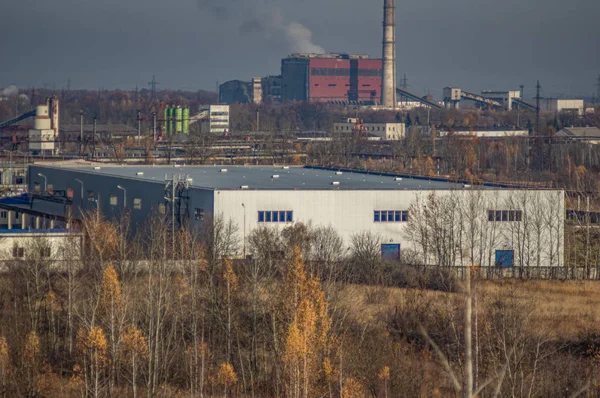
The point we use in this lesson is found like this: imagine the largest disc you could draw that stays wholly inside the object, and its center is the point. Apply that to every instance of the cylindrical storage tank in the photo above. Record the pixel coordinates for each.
(165, 119)
(169, 120)
(178, 120)
(186, 121)
(42, 118)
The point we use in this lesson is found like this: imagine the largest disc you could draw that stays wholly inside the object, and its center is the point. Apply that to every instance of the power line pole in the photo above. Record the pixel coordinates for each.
(538, 89)
(153, 85)
(404, 82)
(597, 90)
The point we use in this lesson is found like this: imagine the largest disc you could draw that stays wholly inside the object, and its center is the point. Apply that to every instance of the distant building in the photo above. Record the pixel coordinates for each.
(341, 78)
(350, 202)
(504, 97)
(488, 132)
(385, 131)
(265, 89)
(214, 118)
(257, 91)
(43, 137)
(558, 105)
(587, 134)
(235, 91)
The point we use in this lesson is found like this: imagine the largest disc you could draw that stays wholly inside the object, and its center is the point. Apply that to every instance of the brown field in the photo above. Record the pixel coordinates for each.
(567, 308)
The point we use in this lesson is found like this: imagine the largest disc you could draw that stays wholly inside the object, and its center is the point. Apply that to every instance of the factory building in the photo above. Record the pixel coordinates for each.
(558, 105)
(504, 97)
(339, 78)
(235, 92)
(43, 138)
(265, 89)
(279, 196)
(384, 131)
(214, 119)
(486, 132)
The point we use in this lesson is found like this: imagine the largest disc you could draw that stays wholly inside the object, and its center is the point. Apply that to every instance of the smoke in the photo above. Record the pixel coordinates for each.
(264, 19)
(10, 91)
(300, 38)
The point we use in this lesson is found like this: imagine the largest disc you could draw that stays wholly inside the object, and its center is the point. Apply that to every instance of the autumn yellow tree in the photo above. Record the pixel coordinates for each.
(31, 361)
(5, 364)
(231, 285)
(352, 388)
(306, 325)
(92, 348)
(226, 377)
(384, 376)
(134, 349)
(111, 315)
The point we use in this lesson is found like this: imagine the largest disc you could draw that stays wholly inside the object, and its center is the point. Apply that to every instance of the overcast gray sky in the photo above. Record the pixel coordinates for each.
(190, 44)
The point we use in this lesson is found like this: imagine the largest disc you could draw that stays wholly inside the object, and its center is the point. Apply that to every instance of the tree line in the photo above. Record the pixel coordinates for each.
(154, 314)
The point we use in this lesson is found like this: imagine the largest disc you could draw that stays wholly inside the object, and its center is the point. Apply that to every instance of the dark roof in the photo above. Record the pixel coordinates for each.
(263, 177)
(579, 132)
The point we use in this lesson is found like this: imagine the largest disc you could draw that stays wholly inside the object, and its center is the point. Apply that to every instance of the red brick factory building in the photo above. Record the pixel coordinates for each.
(342, 78)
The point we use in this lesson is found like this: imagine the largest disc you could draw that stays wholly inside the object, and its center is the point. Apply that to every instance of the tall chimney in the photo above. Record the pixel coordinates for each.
(388, 89)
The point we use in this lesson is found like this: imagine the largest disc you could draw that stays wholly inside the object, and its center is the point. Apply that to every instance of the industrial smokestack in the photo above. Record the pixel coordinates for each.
(388, 86)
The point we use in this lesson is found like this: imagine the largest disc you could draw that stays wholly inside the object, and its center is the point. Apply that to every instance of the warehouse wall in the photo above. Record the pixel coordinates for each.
(351, 212)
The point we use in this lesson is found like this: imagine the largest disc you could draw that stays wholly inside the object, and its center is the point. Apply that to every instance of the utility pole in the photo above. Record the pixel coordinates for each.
(154, 126)
(404, 82)
(597, 90)
(257, 119)
(538, 89)
(139, 120)
(94, 139)
(80, 132)
(153, 85)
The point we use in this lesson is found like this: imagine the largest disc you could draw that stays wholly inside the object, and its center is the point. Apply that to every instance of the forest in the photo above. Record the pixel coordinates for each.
(148, 313)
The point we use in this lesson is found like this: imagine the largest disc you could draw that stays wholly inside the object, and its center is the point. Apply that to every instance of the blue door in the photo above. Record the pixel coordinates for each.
(390, 251)
(504, 258)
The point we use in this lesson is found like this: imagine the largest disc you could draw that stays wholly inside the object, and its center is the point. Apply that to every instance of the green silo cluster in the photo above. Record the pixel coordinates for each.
(177, 120)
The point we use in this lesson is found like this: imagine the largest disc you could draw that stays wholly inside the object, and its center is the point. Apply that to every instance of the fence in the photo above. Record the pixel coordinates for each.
(555, 273)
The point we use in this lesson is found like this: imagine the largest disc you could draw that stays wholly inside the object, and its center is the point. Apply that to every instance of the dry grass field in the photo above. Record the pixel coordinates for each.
(565, 308)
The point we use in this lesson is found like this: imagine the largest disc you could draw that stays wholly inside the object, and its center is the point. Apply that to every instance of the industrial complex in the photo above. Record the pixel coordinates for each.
(279, 196)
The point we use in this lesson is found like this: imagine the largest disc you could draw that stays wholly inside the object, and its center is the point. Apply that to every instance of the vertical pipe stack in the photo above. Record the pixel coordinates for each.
(388, 89)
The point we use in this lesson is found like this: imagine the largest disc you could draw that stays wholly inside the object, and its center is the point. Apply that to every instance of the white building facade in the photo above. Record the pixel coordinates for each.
(216, 120)
(558, 105)
(385, 131)
(431, 221)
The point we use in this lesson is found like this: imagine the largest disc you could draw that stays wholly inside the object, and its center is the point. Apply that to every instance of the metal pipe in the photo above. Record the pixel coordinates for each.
(81, 182)
(388, 88)
(45, 180)
(124, 196)
(244, 206)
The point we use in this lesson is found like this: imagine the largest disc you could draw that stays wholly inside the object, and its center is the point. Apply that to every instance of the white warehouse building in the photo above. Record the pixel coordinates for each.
(514, 227)
(382, 131)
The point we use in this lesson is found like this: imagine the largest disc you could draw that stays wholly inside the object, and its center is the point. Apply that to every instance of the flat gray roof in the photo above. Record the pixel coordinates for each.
(263, 177)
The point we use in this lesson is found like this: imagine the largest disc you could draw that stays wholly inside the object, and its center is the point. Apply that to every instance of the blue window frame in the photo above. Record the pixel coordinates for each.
(504, 258)
(390, 215)
(505, 215)
(276, 216)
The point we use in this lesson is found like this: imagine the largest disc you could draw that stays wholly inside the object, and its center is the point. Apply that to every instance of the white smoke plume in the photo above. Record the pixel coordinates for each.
(10, 91)
(266, 19)
(300, 39)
